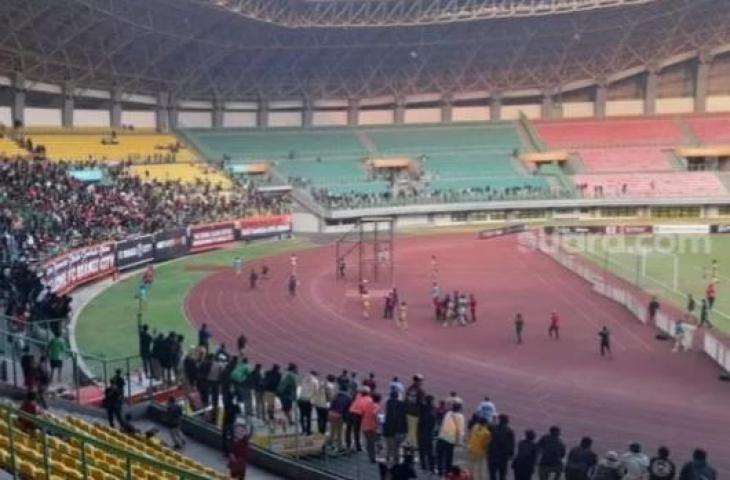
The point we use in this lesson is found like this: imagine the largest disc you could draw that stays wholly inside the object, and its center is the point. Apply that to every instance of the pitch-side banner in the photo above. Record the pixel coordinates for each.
(68, 271)
(211, 235)
(576, 229)
(134, 252)
(171, 244)
(500, 231)
(264, 226)
(681, 229)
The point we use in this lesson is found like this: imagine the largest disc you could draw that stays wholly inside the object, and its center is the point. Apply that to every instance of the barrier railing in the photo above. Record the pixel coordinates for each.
(630, 294)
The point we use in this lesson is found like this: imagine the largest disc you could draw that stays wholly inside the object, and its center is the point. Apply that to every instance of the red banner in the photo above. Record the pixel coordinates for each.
(263, 226)
(74, 268)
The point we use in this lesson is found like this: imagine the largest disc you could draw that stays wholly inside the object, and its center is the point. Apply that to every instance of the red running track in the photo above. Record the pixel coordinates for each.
(645, 393)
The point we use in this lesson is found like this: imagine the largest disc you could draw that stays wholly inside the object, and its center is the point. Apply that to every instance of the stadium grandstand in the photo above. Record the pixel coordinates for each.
(190, 188)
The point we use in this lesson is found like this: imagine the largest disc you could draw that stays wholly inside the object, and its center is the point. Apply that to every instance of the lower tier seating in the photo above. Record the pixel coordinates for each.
(188, 173)
(641, 185)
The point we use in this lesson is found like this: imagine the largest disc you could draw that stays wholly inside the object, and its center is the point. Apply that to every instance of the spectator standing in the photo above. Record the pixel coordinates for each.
(661, 467)
(698, 468)
(581, 461)
(357, 409)
(525, 461)
(414, 396)
(609, 468)
(57, 351)
(635, 463)
(501, 449)
(287, 391)
(145, 349)
(451, 434)
(653, 309)
(426, 430)
(487, 410)
(43, 379)
(271, 380)
(336, 415)
(321, 401)
(257, 383)
(112, 403)
(308, 388)
(370, 425)
(479, 439)
(552, 452)
(238, 456)
(395, 427)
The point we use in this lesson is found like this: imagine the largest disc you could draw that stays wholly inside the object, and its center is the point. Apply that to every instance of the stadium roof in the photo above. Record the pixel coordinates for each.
(198, 50)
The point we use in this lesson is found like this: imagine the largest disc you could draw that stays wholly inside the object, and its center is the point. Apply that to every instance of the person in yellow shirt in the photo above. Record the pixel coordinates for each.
(479, 439)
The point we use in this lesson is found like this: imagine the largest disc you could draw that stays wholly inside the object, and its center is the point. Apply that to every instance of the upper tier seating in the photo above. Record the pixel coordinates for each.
(711, 129)
(9, 148)
(618, 132)
(463, 156)
(641, 185)
(69, 145)
(625, 159)
(65, 458)
(188, 173)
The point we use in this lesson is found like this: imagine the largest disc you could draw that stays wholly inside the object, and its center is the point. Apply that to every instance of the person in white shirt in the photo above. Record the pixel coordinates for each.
(450, 435)
(635, 464)
(308, 386)
(326, 391)
(397, 386)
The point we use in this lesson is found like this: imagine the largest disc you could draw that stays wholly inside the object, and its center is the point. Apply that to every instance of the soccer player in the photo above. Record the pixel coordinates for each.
(292, 285)
(554, 328)
(237, 265)
(403, 316)
(341, 267)
(293, 263)
(605, 341)
(434, 267)
(519, 327)
(253, 277)
(473, 307)
(388, 309)
(149, 275)
(714, 270)
(365, 300)
(653, 308)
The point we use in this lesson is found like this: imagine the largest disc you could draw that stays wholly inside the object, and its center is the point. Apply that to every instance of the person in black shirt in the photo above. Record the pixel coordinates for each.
(581, 461)
(145, 349)
(552, 452)
(653, 309)
(204, 336)
(524, 463)
(661, 467)
(605, 340)
(426, 430)
(501, 448)
(112, 403)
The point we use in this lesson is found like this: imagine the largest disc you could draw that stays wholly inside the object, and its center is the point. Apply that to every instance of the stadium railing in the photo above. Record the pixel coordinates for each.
(34, 447)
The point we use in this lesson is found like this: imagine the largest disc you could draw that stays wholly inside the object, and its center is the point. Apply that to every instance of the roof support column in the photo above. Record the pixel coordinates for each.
(218, 108)
(18, 105)
(307, 112)
(115, 111)
(400, 110)
(262, 118)
(599, 108)
(702, 73)
(495, 106)
(353, 111)
(651, 83)
(447, 107)
(162, 119)
(67, 108)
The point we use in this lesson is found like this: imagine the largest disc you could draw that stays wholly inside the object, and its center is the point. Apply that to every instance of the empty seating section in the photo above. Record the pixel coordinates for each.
(270, 145)
(711, 129)
(626, 159)
(187, 173)
(617, 132)
(70, 145)
(11, 149)
(662, 184)
(107, 455)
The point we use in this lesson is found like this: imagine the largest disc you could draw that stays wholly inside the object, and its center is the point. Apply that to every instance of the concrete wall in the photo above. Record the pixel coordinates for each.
(90, 117)
(377, 117)
(326, 118)
(43, 117)
(422, 115)
(470, 114)
(139, 118)
(195, 119)
(239, 119)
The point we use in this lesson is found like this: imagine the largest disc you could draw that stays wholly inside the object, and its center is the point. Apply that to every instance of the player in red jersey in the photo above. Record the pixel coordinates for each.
(554, 329)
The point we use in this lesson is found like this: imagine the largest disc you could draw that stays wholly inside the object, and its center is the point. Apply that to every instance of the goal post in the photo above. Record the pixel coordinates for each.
(367, 248)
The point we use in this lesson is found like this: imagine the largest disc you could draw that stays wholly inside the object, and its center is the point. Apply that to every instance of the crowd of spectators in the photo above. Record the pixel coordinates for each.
(44, 210)
(401, 427)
